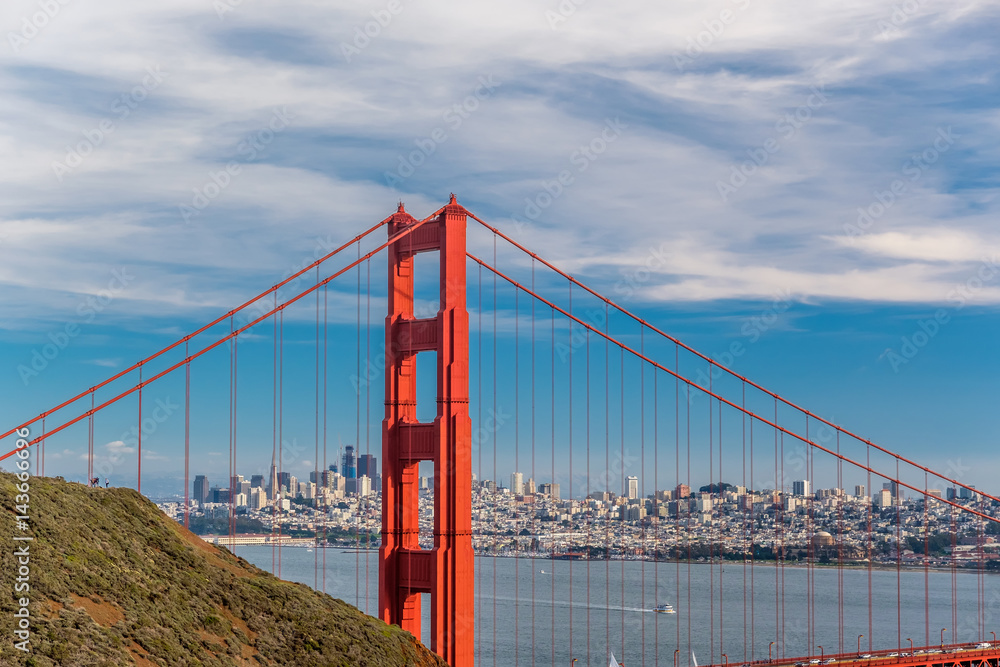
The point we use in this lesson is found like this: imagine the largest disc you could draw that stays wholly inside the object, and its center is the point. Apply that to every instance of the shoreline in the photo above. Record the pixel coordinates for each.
(766, 563)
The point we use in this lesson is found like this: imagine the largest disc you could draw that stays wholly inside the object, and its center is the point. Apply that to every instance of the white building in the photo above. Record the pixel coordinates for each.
(800, 487)
(632, 487)
(364, 486)
(703, 503)
(517, 483)
(258, 498)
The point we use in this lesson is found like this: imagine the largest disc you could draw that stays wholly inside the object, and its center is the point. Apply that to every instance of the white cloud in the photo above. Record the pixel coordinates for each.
(323, 176)
(119, 447)
(941, 245)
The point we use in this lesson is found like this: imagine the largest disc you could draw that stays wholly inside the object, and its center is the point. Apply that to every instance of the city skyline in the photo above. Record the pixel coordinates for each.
(814, 267)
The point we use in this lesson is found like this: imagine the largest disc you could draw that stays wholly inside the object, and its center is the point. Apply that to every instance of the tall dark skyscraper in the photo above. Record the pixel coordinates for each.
(201, 489)
(350, 469)
(367, 465)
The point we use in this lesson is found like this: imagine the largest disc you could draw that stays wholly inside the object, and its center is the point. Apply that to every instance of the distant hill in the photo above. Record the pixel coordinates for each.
(116, 582)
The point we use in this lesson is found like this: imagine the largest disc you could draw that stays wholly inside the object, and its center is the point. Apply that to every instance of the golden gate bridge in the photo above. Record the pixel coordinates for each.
(595, 386)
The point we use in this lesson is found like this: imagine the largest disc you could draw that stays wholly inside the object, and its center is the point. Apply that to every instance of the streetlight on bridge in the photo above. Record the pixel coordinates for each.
(675, 657)
(943, 630)
(821, 653)
(911, 645)
(575, 660)
(994, 636)
(859, 643)
(769, 658)
(726, 657)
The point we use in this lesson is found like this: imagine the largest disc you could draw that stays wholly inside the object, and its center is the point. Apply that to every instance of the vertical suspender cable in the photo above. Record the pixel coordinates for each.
(517, 463)
(711, 548)
(90, 442)
(479, 401)
(493, 501)
(281, 417)
(810, 637)
(927, 568)
(746, 532)
(272, 473)
(677, 479)
(587, 490)
(753, 547)
(899, 565)
(357, 446)
(870, 556)
(139, 457)
(687, 519)
(570, 495)
(722, 566)
(552, 424)
(318, 480)
(642, 485)
(187, 437)
(326, 486)
(781, 439)
(778, 519)
(656, 504)
(621, 385)
(953, 566)
(368, 420)
(236, 398)
(840, 551)
(233, 468)
(534, 512)
(231, 501)
(607, 466)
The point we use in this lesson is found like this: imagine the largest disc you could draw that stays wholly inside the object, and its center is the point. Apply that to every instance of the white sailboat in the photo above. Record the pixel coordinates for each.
(614, 663)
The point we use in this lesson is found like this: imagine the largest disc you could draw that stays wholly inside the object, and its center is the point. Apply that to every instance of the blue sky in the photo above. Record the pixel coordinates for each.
(840, 158)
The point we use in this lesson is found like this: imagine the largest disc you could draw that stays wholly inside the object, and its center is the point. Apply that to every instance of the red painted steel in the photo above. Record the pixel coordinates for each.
(749, 413)
(446, 571)
(713, 363)
(945, 655)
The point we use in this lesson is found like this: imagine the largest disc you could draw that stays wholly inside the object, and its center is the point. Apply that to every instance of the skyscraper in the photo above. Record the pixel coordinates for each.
(800, 487)
(517, 484)
(201, 489)
(367, 465)
(632, 487)
(288, 482)
(350, 469)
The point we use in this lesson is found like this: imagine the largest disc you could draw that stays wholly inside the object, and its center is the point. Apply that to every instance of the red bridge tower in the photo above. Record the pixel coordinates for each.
(405, 570)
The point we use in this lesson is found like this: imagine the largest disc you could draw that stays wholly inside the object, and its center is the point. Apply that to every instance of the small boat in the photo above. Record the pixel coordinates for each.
(664, 609)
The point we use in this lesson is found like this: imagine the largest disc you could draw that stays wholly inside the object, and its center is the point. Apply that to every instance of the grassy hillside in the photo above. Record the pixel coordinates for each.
(115, 582)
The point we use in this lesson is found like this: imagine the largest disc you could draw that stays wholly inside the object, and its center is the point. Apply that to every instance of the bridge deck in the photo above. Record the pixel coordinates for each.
(954, 655)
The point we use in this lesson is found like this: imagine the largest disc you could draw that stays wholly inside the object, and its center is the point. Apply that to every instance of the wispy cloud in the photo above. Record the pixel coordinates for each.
(889, 89)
